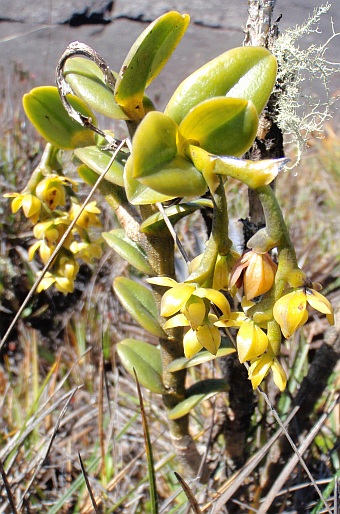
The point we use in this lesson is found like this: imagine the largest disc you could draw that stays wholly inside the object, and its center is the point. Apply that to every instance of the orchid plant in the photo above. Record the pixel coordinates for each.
(170, 165)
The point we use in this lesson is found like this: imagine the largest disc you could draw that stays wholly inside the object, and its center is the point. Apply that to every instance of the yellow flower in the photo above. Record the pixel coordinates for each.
(31, 205)
(62, 275)
(88, 217)
(251, 341)
(193, 305)
(45, 251)
(52, 230)
(260, 368)
(51, 190)
(176, 298)
(290, 311)
(256, 271)
(223, 266)
(86, 251)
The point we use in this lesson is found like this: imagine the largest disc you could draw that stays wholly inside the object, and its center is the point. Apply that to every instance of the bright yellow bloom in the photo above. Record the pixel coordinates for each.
(31, 205)
(52, 230)
(62, 275)
(193, 305)
(290, 311)
(251, 341)
(88, 217)
(86, 251)
(51, 190)
(258, 273)
(45, 251)
(260, 368)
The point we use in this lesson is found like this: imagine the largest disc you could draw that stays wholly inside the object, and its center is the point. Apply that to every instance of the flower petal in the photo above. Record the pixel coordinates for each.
(176, 321)
(279, 375)
(191, 344)
(251, 341)
(209, 336)
(216, 297)
(290, 311)
(174, 299)
(259, 368)
(320, 303)
(195, 311)
(162, 281)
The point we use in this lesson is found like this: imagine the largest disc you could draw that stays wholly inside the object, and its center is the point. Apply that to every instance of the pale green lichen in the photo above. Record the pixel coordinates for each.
(301, 113)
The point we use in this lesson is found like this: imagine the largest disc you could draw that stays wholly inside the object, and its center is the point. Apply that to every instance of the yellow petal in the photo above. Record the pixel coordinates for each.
(259, 368)
(216, 297)
(290, 311)
(209, 337)
(251, 341)
(321, 304)
(191, 344)
(279, 375)
(235, 319)
(176, 321)
(195, 311)
(31, 205)
(174, 299)
(162, 281)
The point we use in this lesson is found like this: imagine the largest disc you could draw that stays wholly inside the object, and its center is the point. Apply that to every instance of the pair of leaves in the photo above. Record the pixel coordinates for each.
(144, 62)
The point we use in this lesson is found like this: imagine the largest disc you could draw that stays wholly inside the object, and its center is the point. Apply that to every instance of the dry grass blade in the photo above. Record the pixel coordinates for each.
(288, 469)
(189, 494)
(101, 416)
(231, 486)
(8, 489)
(49, 446)
(88, 486)
(149, 453)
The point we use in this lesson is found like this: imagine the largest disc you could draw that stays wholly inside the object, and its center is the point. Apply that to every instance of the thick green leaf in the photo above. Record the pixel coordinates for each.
(226, 348)
(196, 394)
(87, 81)
(145, 60)
(145, 359)
(245, 72)
(44, 109)
(155, 223)
(128, 250)
(222, 126)
(98, 160)
(137, 193)
(253, 173)
(154, 143)
(140, 304)
(177, 178)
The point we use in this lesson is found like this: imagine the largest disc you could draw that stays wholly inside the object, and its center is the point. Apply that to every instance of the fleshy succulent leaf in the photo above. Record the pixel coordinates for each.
(222, 126)
(128, 250)
(139, 303)
(98, 160)
(145, 60)
(46, 112)
(87, 81)
(245, 72)
(145, 359)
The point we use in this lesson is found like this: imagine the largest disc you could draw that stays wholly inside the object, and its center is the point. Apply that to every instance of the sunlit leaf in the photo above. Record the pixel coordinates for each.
(140, 304)
(145, 358)
(87, 81)
(128, 250)
(155, 223)
(98, 160)
(46, 112)
(222, 126)
(245, 72)
(226, 348)
(145, 60)
(196, 394)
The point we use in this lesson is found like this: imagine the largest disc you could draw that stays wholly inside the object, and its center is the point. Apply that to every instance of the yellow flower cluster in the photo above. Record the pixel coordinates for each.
(259, 325)
(41, 206)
